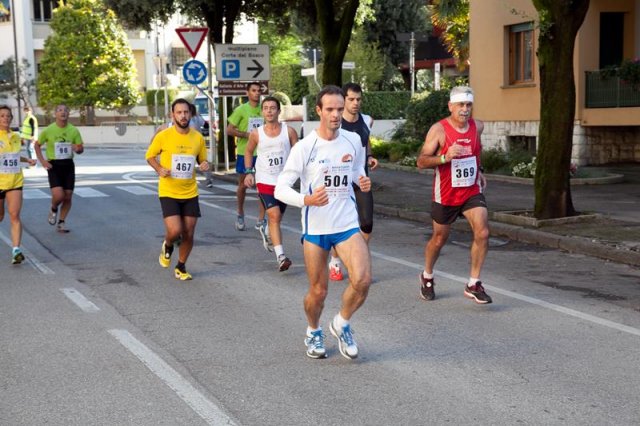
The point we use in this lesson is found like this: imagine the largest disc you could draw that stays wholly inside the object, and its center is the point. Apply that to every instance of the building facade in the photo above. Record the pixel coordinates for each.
(504, 75)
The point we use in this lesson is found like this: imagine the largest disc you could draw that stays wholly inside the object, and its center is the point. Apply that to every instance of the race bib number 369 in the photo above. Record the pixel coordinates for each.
(182, 166)
(463, 172)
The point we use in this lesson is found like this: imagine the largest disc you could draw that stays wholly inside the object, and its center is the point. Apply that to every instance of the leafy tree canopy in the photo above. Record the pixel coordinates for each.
(87, 60)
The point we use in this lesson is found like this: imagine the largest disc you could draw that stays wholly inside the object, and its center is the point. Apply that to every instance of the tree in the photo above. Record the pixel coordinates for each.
(452, 16)
(369, 61)
(560, 21)
(87, 62)
(8, 86)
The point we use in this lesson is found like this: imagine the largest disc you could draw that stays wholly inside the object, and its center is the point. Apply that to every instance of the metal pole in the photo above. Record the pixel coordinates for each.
(213, 142)
(412, 63)
(315, 69)
(17, 62)
(224, 126)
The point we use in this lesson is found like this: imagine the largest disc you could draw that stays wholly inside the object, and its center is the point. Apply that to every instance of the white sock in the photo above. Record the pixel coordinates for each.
(335, 261)
(279, 250)
(472, 282)
(339, 322)
(427, 276)
(16, 248)
(311, 330)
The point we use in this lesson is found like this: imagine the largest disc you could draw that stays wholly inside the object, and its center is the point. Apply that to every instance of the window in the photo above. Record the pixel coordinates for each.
(519, 143)
(521, 53)
(42, 9)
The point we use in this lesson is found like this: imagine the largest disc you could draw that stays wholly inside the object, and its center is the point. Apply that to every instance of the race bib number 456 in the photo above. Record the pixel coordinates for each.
(10, 163)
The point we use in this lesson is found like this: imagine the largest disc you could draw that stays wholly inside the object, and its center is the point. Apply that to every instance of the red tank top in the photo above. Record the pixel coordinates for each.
(454, 182)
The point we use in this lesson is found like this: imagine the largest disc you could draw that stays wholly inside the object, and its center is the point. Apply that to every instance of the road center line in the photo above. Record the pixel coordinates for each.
(206, 409)
(78, 298)
(557, 308)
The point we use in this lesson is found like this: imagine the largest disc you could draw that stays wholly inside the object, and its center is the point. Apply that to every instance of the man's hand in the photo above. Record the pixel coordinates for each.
(249, 180)
(365, 184)
(162, 172)
(318, 198)
(483, 180)
(78, 149)
(204, 166)
(46, 164)
(454, 151)
(372, 163)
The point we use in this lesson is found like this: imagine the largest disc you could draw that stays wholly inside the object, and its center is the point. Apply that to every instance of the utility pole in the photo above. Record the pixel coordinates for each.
(17, 62)
(412, 62)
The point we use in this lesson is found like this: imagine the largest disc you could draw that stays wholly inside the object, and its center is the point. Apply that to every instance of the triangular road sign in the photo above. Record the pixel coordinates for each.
(192, 38)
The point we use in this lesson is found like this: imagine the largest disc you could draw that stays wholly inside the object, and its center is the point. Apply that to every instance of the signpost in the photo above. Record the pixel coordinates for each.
(239, 88)
(242, 62)
(194, 72)
(192, 38)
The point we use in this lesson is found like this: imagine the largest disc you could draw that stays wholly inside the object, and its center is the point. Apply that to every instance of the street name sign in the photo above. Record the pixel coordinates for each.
(348, 65)
(306, 72)
(239, 88)
(194, 72)
(192, 38)
(242, 62)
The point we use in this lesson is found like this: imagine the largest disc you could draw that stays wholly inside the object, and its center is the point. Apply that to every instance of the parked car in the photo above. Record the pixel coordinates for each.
(202, 107)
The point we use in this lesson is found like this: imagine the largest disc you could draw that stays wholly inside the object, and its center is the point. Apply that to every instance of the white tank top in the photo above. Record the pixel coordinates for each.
(272, 154)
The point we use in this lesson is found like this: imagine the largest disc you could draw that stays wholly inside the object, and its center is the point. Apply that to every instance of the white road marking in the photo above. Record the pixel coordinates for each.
(29, 258)
(137, 190)
(557, 308)
(88, 192)
(206, 409)
(33, 194)
(78, 298)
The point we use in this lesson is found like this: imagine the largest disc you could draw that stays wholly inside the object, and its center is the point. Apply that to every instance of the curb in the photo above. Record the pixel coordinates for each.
(571, 244)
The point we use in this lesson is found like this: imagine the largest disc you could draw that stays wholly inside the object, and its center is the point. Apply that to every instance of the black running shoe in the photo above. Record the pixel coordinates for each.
(477, 293)
(426, 288)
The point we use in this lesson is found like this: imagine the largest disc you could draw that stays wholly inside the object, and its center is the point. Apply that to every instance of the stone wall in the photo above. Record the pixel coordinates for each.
(591, 145)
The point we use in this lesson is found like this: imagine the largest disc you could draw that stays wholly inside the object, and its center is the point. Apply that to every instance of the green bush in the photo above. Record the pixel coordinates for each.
(282, 97)
(379, 105)
(399, 150)
(423, 111)
(288, 79)
(380, 148)
(150, 98)
(498, 161)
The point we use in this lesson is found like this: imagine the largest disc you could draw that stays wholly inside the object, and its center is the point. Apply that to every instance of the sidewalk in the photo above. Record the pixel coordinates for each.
(614, 234)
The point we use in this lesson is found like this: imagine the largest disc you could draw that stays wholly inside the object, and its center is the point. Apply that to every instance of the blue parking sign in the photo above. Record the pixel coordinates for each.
(231, 68)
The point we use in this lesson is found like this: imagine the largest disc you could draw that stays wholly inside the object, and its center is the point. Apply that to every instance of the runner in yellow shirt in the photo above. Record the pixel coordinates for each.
(174, 154)
(11, 179)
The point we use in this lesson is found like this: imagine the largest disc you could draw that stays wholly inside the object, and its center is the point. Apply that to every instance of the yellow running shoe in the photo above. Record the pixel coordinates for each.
(165, 255)
(182, 276)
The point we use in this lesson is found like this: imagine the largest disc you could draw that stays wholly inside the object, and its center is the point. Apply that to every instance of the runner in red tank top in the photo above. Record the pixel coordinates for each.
(452, 147)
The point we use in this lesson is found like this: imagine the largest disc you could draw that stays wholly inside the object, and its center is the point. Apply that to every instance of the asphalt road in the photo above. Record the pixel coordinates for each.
(94, 331)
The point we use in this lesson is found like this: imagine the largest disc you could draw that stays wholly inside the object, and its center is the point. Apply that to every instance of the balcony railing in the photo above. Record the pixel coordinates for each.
(609, 92)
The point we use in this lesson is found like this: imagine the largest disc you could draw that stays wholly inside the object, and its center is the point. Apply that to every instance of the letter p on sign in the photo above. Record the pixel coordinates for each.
(231, 68)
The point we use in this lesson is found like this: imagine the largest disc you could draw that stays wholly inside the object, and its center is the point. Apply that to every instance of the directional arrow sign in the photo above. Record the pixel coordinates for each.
(192, 38)
(242, 62)
(194, 72)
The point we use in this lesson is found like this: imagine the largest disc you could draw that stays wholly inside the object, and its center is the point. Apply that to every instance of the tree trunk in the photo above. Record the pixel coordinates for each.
(560, 22)
(334, 36)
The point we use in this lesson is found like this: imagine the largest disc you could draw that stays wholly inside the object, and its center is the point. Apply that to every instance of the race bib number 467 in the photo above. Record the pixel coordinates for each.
(182, 166)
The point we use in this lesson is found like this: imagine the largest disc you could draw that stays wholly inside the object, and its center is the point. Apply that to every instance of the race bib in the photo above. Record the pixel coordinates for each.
(10, 163)
(254, 123)
(182, 166)
(337, 181)
(62, 150)
(275, 162)
(463, 172)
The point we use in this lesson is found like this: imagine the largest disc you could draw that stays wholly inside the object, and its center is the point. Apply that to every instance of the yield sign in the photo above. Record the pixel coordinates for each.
(192, 38)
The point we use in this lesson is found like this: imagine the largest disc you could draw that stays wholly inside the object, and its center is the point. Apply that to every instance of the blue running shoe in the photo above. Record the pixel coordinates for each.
(346, 343)
(315, 344)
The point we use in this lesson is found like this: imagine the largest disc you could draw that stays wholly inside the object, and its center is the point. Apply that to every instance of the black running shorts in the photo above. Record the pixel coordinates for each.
(446, 215)
(180, 207)
(62, 173)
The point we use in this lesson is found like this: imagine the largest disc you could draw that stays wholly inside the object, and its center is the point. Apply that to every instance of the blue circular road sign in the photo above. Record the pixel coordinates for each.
(194, 72)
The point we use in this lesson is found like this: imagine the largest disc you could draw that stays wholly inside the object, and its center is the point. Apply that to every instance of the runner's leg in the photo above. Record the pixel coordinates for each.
(315, 260)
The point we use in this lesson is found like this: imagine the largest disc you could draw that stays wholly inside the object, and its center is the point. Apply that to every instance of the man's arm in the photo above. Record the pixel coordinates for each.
(249, 179)
(433, 142)
(293, 136)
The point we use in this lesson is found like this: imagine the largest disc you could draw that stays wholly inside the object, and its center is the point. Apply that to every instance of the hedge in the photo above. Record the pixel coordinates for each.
(289, 80)
(379, 105)
(150, 98)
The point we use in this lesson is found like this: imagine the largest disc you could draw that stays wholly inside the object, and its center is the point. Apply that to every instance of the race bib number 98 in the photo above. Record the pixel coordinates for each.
(182, 166)
(62, 150)
(255, 122)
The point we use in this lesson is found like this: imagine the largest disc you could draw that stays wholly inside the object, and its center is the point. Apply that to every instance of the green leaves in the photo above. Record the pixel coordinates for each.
(87, 60)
